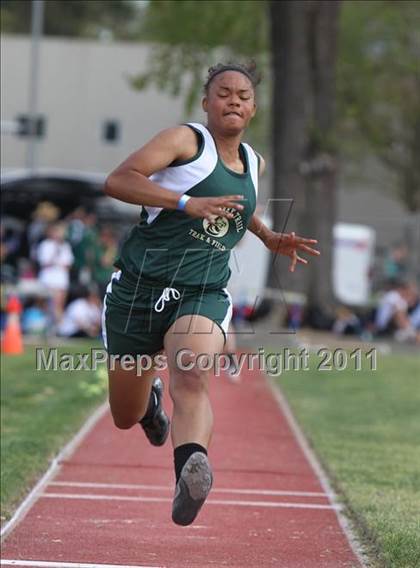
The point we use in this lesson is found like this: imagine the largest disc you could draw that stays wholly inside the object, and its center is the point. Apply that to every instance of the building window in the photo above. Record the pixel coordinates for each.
(111, 131)
(27, 126)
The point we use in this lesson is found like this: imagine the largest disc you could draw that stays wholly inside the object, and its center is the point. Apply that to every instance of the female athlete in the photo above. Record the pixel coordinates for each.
(197, 186)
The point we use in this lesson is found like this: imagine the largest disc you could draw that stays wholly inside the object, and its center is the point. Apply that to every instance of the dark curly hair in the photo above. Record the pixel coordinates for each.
(249, 70)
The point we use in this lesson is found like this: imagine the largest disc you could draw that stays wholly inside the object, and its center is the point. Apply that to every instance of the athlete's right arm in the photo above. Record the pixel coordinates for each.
(129, 181)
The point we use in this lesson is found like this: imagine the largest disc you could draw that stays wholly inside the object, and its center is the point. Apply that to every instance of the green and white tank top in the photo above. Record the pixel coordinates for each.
(169, 247)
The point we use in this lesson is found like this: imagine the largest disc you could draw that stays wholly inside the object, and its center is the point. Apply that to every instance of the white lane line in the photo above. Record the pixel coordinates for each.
(165, 500)
(317, 469)
(135, 486)
(44, 564)
(52, 470)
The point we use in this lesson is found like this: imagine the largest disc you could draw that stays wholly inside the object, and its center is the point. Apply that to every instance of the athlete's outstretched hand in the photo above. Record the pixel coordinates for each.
(289, 244)
(212, 207)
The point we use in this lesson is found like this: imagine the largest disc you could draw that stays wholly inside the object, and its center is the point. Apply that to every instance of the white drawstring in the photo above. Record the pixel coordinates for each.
(165, 297)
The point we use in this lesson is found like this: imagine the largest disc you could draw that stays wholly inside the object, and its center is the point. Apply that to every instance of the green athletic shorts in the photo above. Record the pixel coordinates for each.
(137, 315)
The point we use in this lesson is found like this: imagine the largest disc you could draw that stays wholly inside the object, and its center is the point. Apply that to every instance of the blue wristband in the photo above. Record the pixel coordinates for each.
(182, 202)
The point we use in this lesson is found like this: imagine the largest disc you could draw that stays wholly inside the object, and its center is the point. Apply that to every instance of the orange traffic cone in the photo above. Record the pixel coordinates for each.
(12, 338)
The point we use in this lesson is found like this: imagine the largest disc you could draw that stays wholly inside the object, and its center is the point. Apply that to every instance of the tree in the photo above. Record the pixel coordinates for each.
(379, 88)
(188, 37)
(379, 97)
(71, 17)
(378, 92)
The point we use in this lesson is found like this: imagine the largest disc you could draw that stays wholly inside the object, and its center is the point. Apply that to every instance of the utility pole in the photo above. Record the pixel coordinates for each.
(36, 34)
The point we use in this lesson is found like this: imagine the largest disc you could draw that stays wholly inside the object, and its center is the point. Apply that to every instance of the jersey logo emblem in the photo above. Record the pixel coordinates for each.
(217, 229)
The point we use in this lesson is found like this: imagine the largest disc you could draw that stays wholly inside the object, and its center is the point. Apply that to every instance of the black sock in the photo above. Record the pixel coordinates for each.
(182, 453)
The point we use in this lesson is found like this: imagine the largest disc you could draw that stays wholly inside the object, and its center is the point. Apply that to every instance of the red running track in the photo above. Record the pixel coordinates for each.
(109, 503)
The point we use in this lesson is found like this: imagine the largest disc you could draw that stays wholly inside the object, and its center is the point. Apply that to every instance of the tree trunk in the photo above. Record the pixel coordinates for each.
(289, 136)
(303, 36)
(322, 171)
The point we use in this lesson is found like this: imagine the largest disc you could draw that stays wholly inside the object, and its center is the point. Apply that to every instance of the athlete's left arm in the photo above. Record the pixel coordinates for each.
(287, 244)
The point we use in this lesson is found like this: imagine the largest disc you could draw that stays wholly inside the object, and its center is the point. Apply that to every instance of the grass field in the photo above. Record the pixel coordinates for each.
(40, 411)
(365, 427)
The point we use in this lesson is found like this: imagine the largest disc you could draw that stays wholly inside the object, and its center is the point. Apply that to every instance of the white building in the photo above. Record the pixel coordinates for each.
(83, 89)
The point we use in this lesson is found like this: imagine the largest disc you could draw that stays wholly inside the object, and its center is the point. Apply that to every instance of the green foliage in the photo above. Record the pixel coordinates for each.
(71, 17)
(188, 37)
(208, 25)
(379, 87)
(378, 83)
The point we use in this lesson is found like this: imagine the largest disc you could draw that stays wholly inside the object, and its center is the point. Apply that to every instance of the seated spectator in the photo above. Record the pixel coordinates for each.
(35, 319)
(82, 317)
(9, 247)
(26, 269)
(395, 265)
(393, 312)
(412, 330)
(414, 309)
(347, 322)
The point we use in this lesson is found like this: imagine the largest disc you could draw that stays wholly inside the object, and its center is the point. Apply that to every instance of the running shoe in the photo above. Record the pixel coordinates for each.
(156, 424)
(233, 372)
(191, 491)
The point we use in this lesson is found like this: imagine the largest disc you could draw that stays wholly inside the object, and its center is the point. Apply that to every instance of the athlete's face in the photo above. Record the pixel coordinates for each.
(230, 102)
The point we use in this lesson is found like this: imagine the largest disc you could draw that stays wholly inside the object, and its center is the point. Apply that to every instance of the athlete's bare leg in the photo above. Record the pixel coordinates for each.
(192, 419)
(129, 395)
(230, 345)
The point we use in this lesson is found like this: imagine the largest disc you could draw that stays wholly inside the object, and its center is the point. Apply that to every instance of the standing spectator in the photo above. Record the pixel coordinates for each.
(45, 214)
(88, 246)
(105, 253)
(83, 237)
(75, 234)
(55, 259)
(90, 238)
